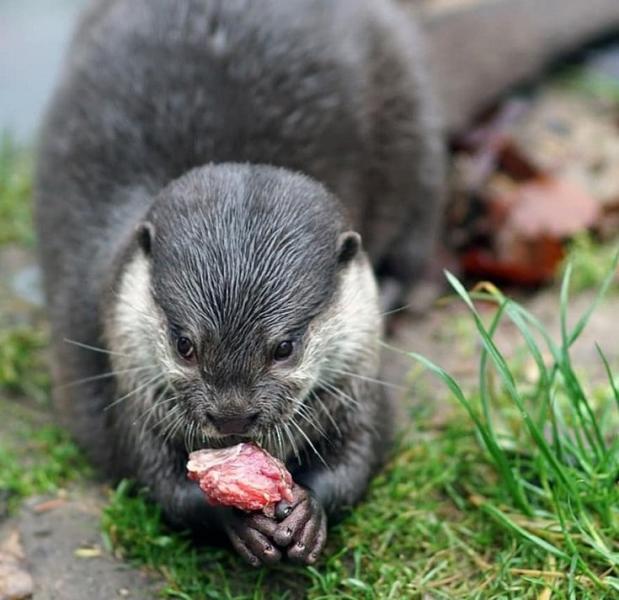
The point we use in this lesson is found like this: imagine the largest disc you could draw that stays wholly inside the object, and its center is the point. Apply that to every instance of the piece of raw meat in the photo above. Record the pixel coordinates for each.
(244, 476)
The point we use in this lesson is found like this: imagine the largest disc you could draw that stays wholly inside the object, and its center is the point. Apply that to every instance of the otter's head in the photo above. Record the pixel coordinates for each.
(245, 290)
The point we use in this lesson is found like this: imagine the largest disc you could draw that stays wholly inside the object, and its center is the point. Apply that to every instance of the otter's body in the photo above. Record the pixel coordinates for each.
(244, 305)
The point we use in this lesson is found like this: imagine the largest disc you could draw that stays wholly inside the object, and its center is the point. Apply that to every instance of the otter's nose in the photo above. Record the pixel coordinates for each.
(233, 425)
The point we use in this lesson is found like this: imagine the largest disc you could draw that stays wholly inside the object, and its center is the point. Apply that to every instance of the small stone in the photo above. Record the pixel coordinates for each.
(15, 582)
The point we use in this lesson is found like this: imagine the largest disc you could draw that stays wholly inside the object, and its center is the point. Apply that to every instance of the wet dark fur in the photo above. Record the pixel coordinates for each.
(153, 89)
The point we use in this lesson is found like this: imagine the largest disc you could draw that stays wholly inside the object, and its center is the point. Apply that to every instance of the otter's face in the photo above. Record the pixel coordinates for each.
(248, 298)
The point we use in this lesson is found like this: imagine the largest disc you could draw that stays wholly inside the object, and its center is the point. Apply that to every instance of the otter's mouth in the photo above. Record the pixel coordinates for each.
(228, 439)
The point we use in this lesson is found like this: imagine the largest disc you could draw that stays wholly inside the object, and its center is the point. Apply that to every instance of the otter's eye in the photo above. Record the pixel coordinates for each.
(283, 350)
(185, 347)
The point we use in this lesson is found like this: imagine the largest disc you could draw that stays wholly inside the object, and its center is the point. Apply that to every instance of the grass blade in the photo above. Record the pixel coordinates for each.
(514, 487)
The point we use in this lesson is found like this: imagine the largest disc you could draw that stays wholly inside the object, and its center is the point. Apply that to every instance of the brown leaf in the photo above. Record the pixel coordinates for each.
(49, 505)
(548, 207)
(518, 261)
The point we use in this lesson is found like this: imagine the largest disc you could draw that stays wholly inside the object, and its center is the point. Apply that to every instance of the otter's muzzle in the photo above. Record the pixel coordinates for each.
(233, 425)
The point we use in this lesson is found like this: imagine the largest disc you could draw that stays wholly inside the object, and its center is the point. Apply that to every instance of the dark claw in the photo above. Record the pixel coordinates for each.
(291, 526)
(239, 545)
(249, 534)
(259, 545)
(312, 537)
(282, 510)
(304, 530)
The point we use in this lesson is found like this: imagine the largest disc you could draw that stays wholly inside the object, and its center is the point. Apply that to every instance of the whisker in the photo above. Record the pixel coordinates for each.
(173, 428)
(159, 403)
(104, 376)
(280, 442)
(187, 436)
(194, 437)
(94, 348)
(273, 444)
(349, 400)
(195, 440)
(325, 410)
(293, 444)
(393, 311)
(168, 416)
(365, 378)
(303, 412)
(156, 378)
(300, 430)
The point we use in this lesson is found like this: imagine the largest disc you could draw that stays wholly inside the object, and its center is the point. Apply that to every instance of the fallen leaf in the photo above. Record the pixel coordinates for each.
(550, 207)
(92, 552)
(529, 263)
(49, 505)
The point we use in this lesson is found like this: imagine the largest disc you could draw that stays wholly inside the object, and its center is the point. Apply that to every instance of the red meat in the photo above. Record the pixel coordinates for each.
(244, 476)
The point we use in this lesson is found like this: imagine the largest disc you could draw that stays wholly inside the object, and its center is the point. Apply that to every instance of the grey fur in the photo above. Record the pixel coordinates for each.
(153, 92)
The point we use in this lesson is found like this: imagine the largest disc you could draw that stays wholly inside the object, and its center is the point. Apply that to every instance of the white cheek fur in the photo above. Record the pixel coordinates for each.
(345, 337)
(136, 331)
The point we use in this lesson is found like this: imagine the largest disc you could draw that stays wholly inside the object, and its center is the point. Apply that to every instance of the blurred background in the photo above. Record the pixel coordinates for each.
(33, 38)
(534, 184)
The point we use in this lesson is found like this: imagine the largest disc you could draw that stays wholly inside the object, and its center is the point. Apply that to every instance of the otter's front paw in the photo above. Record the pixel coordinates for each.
(303, 526)
(251, 535)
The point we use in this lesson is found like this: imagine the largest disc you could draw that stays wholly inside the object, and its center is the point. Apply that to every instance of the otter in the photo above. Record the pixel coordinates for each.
(219, 187)
(207, 173)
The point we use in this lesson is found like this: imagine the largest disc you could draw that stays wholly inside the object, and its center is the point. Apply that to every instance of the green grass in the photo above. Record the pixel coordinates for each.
(515, 496)
(35, 458)
(15, 194)
(558, 461)
(22, 366)
(590, 260)
(590, 83)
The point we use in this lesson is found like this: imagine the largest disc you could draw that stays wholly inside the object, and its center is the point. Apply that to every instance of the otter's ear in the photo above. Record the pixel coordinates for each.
(145, 234)
(348, 246)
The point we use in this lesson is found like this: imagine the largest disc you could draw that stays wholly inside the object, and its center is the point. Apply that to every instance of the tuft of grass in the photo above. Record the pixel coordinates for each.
(36, 460)
(558, 462)
(22, 365)
(15, 194)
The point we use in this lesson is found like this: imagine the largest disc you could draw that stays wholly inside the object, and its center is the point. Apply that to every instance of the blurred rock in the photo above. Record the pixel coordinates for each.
(15, 581)
(573, 138)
